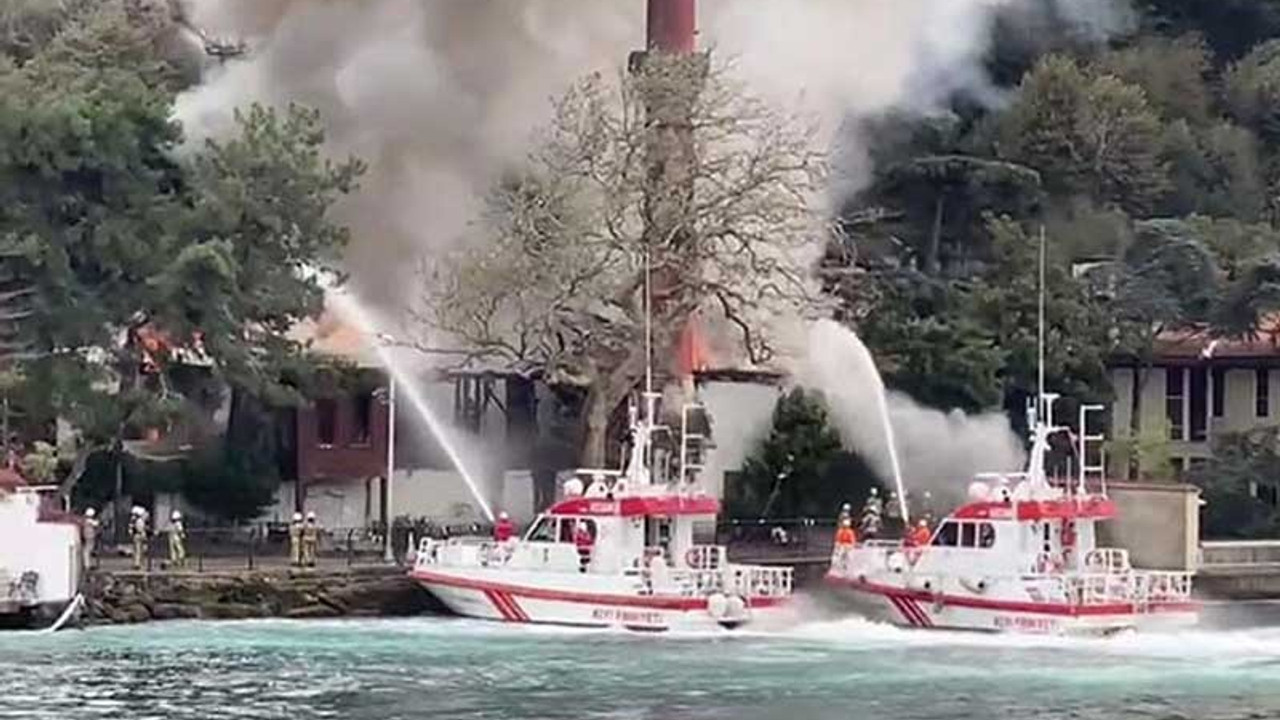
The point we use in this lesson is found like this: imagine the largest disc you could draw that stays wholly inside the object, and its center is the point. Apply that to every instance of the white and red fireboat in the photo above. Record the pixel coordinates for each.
(40, 556)
(1021, 555)
(644, 569)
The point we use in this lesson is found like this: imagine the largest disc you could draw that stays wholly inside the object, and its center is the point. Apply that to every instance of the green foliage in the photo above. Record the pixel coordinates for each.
(1173, 72)
(801, 470)
(1157, 161)
(1088, 134)
(118, 230)
(1148, 452)
(40, 465)
(1241, 462)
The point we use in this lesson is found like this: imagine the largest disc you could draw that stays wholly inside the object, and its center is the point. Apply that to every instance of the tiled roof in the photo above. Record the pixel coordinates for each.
(1198, 343)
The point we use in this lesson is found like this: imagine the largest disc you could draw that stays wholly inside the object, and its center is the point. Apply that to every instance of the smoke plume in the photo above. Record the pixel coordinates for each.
(938, 451)
(439, 96)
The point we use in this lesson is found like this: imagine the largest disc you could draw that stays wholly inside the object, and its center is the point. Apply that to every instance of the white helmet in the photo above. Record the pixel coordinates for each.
(311, 515)
(90, 513)
(297, 517)
(503, 515)
(176, 515)
(874, 492)
(137, 510)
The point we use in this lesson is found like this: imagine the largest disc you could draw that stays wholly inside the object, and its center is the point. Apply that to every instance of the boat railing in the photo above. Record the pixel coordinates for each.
(1138, 587)
(1110, 561)
(705, 557)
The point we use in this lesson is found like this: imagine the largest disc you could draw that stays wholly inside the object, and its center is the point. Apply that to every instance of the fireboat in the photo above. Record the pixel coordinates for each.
(40, 557)
(643, 568)
(1021, 555)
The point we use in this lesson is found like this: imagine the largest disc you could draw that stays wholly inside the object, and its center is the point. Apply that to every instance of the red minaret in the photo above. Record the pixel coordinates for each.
(672, 26)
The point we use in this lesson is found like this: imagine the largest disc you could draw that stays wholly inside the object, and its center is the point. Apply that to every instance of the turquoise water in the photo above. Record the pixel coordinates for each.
(446, 668)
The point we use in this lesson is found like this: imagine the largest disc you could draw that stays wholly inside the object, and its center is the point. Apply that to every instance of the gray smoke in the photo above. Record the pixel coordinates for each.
(938, 451)
(439, 96)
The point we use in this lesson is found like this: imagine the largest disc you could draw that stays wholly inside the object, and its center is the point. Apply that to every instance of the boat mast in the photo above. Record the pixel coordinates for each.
(1040, 409)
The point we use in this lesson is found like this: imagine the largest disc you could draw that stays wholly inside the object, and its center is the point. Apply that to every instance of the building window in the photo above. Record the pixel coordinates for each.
(1179, 466)
(1219, 391)
(361, 429)
(326, 422)
(1199, 404)
(1262, 393)
(1268, 493)
(1174, 407)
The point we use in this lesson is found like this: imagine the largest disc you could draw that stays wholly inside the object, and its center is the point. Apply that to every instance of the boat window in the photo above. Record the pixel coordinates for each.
(986, 535)
(568, 525)
(543, 531)
(968, 535)
(948, 535)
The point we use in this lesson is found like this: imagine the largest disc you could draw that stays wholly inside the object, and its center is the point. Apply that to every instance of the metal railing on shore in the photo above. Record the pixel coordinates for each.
(267, 545)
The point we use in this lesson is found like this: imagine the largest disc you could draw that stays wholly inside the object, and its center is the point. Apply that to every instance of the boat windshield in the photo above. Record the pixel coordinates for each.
(543, 531)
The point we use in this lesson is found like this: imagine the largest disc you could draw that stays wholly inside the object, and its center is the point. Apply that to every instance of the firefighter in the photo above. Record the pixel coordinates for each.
(138, 534)
(295, 540)
(920, 536)
(89, 537)
(871, 510)
(846, 539)
(583, 541)
(310, 540)
(846, 513)
(893, 516)
(504, 529)
(177, 541)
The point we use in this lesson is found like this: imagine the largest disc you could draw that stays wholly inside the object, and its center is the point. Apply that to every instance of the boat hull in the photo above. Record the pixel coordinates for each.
(496, 599)
(912, 608)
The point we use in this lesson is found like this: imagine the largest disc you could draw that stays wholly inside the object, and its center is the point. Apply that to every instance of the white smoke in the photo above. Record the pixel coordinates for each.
(939, 451)
(440, 95)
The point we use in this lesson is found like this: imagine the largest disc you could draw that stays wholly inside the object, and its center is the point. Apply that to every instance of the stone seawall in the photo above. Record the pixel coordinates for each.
(133, 597)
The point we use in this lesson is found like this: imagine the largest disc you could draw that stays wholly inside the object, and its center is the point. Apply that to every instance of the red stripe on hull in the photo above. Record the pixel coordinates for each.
(898, 603)
(654, 602)
(496, 601)
(1055, 609)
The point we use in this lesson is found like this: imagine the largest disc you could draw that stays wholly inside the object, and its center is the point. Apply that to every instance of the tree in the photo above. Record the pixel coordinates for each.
(926, 341)
(142, 259)
(944, 194)
(1214, 171)
(1172, 72)
(675, 169)
(1241, 463)
(801, 469)
(1088, 134)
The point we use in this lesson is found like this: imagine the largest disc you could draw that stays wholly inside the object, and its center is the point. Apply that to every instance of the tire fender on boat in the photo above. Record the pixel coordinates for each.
(977, 587)
(737, 608)
(895, 561)
(718, 605)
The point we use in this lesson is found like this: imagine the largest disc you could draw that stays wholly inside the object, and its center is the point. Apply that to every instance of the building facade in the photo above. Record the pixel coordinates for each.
(1196, 387)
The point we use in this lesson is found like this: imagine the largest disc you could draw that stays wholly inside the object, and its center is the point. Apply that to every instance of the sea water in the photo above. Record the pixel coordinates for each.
(452, 668)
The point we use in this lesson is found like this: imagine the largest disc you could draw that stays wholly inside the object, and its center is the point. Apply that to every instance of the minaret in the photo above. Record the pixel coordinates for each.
(672, 26)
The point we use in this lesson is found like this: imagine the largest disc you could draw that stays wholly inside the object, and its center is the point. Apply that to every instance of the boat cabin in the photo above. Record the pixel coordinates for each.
(1016, 534)
(629, 531)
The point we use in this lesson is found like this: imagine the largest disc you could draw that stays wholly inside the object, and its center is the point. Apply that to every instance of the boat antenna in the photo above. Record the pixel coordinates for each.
(648, 323)
(1040, 343)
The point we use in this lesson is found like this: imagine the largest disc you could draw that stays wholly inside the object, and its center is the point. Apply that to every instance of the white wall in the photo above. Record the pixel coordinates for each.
(442, 496)
(741, 418)
(351, 504)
